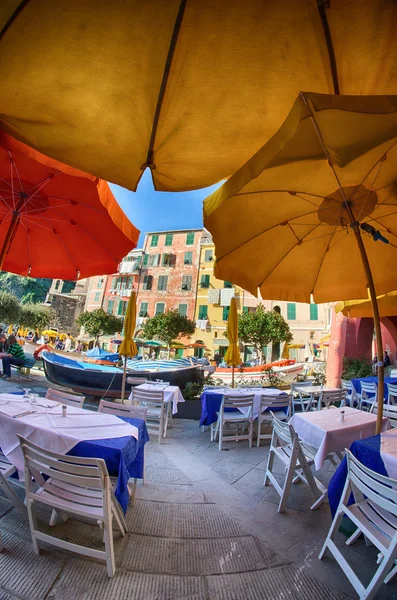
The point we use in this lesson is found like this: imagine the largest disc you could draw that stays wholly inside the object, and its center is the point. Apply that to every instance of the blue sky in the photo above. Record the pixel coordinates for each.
(150, 210)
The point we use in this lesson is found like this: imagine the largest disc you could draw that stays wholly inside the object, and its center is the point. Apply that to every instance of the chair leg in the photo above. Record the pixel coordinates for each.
(258, 437)
(132, 489)
(288, 480)
(1, 544)
(33, 525)
(251, 431)
(108, 539)
(220, 433)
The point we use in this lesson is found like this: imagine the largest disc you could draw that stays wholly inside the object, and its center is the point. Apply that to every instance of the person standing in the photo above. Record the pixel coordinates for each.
(15, 356)
(68, 343)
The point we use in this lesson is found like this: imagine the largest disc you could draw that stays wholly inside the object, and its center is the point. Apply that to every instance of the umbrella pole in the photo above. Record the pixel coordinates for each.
(232, 376)
(378, 332)
(11, 230)
(124, 378)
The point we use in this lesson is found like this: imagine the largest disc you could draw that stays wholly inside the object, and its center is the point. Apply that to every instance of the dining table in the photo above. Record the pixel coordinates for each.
(119, 441)
(211, 400)
(356, 381)
(334, 429)
(172, 393)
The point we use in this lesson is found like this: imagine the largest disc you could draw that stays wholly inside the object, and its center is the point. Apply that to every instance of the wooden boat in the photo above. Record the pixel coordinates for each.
(287, 369)
(102, 381)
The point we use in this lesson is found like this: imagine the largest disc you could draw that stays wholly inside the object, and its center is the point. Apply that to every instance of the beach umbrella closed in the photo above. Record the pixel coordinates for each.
(387, 304)
(187, 88)
(232, 356)
(56, 221)
(10, 330)
(128, 347)
(313, 212)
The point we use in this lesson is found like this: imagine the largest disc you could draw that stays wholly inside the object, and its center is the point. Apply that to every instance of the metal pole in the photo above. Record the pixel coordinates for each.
(124, 379)
(12, 229)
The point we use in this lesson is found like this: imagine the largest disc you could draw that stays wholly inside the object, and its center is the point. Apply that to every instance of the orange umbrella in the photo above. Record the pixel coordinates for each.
(56, 221)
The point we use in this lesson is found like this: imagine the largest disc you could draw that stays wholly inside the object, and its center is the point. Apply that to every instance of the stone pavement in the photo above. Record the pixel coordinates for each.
(203, 528)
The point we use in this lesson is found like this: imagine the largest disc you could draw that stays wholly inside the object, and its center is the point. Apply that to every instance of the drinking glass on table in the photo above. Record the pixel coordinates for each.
(26, 395)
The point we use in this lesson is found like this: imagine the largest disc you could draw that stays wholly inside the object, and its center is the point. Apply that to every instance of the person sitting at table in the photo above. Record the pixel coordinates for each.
(386, 360)
(15, 356)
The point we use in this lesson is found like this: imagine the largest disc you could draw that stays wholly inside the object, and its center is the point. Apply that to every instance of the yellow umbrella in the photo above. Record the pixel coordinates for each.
(285, 353)
(10, 330)
(313, 212)
(387, 304)
(237, 55)
(50, 333)
(128, 347)
(232, 356)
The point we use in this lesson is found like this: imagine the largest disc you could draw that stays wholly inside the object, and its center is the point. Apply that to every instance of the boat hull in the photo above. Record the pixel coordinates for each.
(106, 382)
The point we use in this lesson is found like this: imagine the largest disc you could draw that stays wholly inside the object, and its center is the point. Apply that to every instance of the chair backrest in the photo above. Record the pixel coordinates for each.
(368, 387)
(122, 410)
(275, 402)
(330, 396)
(281, 429)
(346, 385)
(238, 401)
(65, 398)
(87, 473)
(392, 390)
(379, 489)
(295, 385)
(389, 411)
(152, 396)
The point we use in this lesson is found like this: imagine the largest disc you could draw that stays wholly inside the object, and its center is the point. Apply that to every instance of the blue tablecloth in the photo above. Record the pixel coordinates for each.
(357, 385)
(124, 457)
(366, 451)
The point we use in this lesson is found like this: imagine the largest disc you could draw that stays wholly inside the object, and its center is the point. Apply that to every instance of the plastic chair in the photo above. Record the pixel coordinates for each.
(269, 406)
(329, 398)
(304, 402)
(6, 470)
(351, 395)
(65, 398)
(72, 486)
(368, 394)
(374, 513)
(389, 411)
(244, 401)
(157, 409)
(392, 393)
(297, 458)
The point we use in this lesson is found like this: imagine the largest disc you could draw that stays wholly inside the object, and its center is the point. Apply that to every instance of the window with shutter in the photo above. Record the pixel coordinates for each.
(227, 284)
(97, 296)
(145, 259)
(203, 311)
(147, 282)
(205, 281)
(154, 241)
(291, 311)
(162, 282)
(225, 312)
(186, 282)
(110, 307)
(190, 238)
(208, 255)
(183, 310)
(188, 259)
(160, 306)
(143, 309)
(313, 312)
(168, 239)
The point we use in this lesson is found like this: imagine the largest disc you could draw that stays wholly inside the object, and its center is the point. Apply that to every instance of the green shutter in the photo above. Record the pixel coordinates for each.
(203, 311)
(245, 310)
(143, 309)
(291, 311)
(313, 312)
(183, 310)
(168, 239)
(190, 238)
(188, 258)
(145, 260)
(160, 308)
(154, 241)
(225, 312)
(227, 284)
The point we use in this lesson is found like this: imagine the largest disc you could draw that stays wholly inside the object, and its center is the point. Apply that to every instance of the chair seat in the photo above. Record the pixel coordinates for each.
(280, 414)
(153, 411)
(234, 416)
(69, 498)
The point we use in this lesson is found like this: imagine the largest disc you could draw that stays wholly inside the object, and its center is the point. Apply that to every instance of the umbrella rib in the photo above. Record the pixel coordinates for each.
(12, 18)
(164, 82)
(279, 191)
(378, 161)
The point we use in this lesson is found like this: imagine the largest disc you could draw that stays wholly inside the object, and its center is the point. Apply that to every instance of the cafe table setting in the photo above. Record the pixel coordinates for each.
(74, 431)
(172, 393)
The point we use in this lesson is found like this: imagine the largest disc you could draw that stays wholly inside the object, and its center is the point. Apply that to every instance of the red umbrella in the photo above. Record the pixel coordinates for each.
(56, 221)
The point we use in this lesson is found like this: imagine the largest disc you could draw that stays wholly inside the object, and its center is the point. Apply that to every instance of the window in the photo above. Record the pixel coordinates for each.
(187, 282)
(313, 312)
(168, 239)
(190, 238)
(208, 255)
(168, 260)
(143, 309)
(225, 312)
(188, 260)
(97, 296)
(122, 307)
(147, 282)
(205, 281)
(154, 241)
(162, 282)
(145, 260)
(58, 281)
(227, 284)
(160, 306)
(154, 260)
(291, 311)
(245, 310)
(100, 283)
(203, 311)
(182, 309)
(110, 307)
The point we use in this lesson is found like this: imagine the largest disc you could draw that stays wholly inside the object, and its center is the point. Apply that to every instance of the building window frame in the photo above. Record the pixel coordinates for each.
(208, 255)
(291, 311)
(190, 238)
(313, 312)
(203, 312)
(159, 311)
(154, 240)
(162, 283)
(188, 258)
(186, 284)
(144, 309)
(182, 312)
(169, 237)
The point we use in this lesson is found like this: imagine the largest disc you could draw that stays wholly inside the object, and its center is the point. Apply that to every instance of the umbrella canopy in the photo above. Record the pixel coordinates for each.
(50, 333)
(128, 346)
(232, 356)
(196, 345)
(184, 87)
(175, 344)
(56, 221)
(387, 304)
(324, 179)
(10, 330)
(154, 344)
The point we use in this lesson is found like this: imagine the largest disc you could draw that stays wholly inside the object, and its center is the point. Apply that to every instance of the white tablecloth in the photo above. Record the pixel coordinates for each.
(172, 393)
(46, 427)
(324, 430)
(388, 451)
(258, 392)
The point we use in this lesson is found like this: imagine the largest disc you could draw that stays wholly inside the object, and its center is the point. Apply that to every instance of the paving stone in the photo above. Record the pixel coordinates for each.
(5, 505)
(148, 518)
(6, 596)
(158, 460)
(269, 584)
(203, 521)
(87, 581)
(251, 484)
(231, 470)
(172, 493)
(195, 556)
(160, 475)
(23, 572)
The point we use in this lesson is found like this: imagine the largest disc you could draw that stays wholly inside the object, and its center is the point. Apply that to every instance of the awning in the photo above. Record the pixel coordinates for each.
(220, 342)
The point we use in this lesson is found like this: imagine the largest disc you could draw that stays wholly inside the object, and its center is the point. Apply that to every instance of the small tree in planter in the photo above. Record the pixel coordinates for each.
(169, 326)
(97, 323)
(261, 328)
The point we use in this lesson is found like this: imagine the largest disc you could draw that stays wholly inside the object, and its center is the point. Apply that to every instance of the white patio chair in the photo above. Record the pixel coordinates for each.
(304, 402)
(374, 513)
(65, 398)
(389, 411)
(329, 398)
(392, 393)
(134, 412)
(297, 458)
(351, 394)
(368, 394)
(157, 409)
(236, 417)
(6, 470)
(272, 405)
(76, 487)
